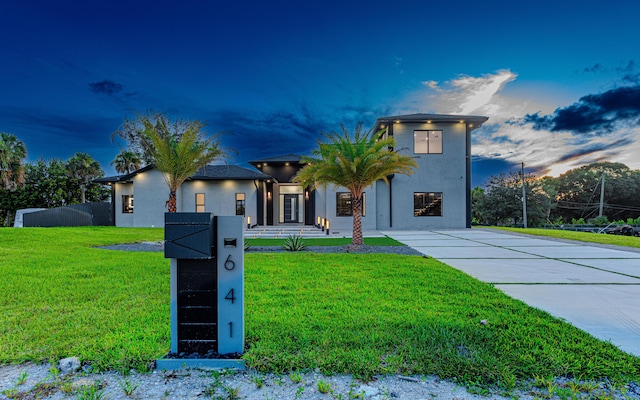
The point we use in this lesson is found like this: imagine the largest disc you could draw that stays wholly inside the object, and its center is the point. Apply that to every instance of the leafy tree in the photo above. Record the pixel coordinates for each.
(502, 201)
(579, 191)
(127, 161)
(354, 163)
(477, 196)
(176, 148)
(84, 170)
(48, 185)
(12, 155)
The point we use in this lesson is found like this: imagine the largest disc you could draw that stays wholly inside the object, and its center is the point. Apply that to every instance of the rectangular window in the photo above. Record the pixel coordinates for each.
(127, 204)
(240, 203)
(199, 202)
(427, 204)
(427, 142)
(344, 206)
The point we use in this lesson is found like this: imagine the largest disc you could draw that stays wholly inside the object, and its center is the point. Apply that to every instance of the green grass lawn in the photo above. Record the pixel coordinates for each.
(602, 238)
(363, 314)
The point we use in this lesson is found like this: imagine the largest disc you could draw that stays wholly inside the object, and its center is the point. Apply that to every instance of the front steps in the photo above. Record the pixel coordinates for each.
(282, 231)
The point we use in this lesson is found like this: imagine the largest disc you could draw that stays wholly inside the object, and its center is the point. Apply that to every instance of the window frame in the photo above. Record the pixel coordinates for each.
(349, 213)
(241, 205)
(429, 133)
(200, 205)
(127, 204)
(436, 196)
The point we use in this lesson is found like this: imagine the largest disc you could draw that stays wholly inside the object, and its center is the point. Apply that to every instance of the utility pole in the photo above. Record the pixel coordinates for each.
(524, 199)
(601, 196)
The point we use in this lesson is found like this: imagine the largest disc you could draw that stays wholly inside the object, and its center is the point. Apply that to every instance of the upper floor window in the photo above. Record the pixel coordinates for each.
(199, 202)
(427, 142)
(427, 204)
(240, 202)
(344, 205)
(127, 204)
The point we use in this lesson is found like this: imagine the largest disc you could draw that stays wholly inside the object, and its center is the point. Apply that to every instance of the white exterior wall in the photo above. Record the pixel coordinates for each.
(123, 219)
(326, 208)
(445, 173)
(220, 197)
(150, 195)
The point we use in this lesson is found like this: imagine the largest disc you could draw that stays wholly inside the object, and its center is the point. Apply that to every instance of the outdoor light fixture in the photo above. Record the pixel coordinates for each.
(327, 227)
(322, 224)
(249, 222)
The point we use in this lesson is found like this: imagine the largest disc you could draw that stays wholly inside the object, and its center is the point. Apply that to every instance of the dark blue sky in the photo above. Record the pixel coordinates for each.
(558, 79)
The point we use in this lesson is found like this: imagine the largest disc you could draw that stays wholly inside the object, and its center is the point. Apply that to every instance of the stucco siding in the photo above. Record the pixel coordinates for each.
(150, 197)
(220, 197)
(336, 223)
(441, 173)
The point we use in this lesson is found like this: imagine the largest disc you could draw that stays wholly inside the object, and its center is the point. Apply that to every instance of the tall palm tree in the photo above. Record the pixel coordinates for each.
(178, 149)
(354, 163)
(127, 161)
(83, 168)
(12, 153)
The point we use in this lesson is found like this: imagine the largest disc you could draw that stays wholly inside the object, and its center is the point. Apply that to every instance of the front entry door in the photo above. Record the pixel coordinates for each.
(290, 208)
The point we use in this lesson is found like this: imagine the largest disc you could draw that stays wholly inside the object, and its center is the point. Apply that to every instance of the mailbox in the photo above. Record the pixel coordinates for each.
(207, 284)
(188, 235)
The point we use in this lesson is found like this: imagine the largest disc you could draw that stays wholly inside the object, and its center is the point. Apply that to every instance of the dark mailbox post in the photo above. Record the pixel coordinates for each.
(207, 285)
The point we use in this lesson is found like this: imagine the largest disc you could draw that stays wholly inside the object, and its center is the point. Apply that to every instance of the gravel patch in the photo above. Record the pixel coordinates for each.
(159, 246)
(36, 381)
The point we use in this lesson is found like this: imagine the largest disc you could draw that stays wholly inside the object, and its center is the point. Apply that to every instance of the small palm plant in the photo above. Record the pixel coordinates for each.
(294, 243)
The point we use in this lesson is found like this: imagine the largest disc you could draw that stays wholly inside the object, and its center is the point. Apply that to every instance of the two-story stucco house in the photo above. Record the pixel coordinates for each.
(436, 196)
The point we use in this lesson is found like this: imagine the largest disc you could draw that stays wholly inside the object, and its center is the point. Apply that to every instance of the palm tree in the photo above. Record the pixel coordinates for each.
(83, 168)
(127, 161)
(354, 163)
(12, 153)
(178, 149)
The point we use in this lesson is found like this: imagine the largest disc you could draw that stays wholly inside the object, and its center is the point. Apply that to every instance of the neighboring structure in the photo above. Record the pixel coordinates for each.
(436, 196)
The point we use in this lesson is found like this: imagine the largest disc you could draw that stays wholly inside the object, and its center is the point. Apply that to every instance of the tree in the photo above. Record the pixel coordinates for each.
(84, 170)
(502, 200)
(127, 161)
(12, 154)
(579, 191)
(48, 185)
(176, 148)
(354, 163)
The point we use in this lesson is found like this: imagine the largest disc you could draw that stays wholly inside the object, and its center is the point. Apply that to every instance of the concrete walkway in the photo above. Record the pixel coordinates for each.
(596, 289)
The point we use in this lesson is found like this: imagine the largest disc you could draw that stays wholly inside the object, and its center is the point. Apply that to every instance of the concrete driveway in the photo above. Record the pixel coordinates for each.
(594, 288)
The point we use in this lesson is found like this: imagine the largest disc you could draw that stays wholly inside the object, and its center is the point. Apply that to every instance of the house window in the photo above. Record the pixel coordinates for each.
(240, 203)
(427, 204)
(344, 206)
(427, 142)
(199, 202)
(127, 204)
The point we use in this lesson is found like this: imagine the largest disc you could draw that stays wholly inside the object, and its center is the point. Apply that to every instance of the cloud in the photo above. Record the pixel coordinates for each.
(593, 114)
(106, 86)
(462, 95)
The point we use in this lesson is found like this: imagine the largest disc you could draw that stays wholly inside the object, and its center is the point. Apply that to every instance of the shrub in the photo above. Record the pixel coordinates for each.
(294, 243)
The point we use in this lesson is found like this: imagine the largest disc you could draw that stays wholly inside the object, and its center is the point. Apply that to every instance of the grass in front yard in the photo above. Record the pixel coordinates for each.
(363, 314)
(602, 238)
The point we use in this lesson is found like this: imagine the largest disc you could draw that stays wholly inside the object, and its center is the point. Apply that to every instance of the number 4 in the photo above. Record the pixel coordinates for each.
(230, 296)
